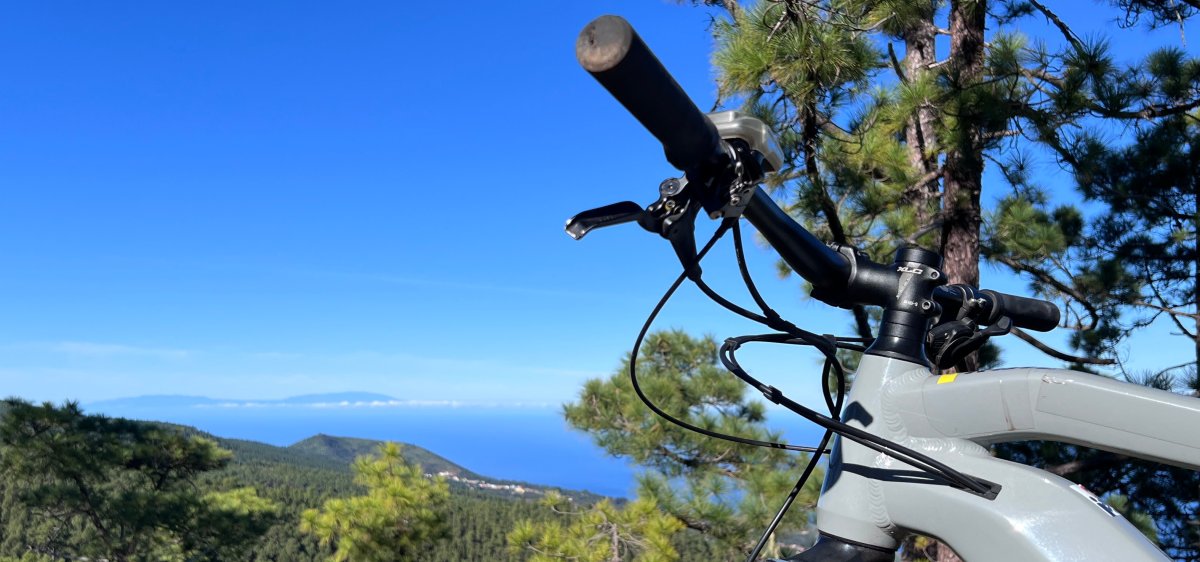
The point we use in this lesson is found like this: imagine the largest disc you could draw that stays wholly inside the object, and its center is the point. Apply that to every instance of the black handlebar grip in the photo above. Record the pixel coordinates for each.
(612, 52)
(1034, 314)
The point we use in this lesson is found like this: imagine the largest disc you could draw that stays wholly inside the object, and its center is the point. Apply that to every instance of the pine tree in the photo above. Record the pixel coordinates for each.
(636, 532)
(726, 491)
(122, 490)
(401, 515)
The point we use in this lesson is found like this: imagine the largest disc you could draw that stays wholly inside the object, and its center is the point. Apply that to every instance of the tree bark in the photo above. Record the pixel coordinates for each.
(962, 177)
(919, 134)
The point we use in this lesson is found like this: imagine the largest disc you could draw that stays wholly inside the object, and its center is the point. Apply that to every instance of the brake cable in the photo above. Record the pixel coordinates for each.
(637, 388)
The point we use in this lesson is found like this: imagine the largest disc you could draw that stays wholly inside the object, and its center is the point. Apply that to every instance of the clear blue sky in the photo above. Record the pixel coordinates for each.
(257, 200)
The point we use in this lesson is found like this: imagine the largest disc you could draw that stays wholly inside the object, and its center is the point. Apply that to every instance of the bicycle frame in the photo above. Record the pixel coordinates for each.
(871, 499)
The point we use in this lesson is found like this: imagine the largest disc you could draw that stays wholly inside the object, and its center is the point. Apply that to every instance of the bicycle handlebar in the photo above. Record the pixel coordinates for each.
(800, 249)
(1032, 314)
(611, 51)
(1035, 314)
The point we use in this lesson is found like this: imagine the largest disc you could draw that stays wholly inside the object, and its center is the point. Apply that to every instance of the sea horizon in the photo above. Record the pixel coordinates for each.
(529, 443)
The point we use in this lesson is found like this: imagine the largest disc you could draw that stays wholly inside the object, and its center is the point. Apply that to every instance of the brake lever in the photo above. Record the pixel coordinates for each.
(600, 217)
(672, 216)
(1000, 327)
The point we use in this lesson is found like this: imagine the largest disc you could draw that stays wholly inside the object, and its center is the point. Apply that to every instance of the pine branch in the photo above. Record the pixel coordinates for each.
(90, 510)
(694, 524)
(1060, 24)
(1147, 111)
(1172, 368)
(911, 239)
(833, 129)
(698, 462)
(896, 64)
(1174, 319)
(938, 64)
(873, 27)
(1168, 310)
(1179, 20)
(778, 24)
(541, 552)
(811, 132)
(993, 135)
(1059, 354)
(730, 6)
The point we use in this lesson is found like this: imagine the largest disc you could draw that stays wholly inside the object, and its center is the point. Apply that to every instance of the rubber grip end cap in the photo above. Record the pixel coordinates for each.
(603, 43)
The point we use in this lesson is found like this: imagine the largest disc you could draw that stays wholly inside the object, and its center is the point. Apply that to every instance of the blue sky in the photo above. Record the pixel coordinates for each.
(257, 200)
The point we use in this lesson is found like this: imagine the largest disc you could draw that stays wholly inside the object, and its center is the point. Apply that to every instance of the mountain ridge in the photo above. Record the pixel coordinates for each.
(186, 400)
(330, 452)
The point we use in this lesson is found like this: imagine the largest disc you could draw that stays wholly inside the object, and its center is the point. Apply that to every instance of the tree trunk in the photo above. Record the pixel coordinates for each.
(615, 540)
(812, 140)
(1196, 266)
(963, 174)
(919, 135)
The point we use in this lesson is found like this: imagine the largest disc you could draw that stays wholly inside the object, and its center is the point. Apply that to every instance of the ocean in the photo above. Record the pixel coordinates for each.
(530, 444)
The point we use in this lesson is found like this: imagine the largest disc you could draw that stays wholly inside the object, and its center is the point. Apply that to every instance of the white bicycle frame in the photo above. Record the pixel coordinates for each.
(872, 499)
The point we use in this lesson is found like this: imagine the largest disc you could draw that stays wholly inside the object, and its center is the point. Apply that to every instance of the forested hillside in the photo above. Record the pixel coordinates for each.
(307, 473)
(341, 451)
(303, 476)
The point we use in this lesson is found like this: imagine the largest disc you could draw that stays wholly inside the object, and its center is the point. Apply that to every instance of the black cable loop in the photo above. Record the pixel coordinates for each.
(835, 411)
(791, 497)
(827, 345)
(739, 251)
(869, 440)
(725, 303)
(953, 475)
(637, 388)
